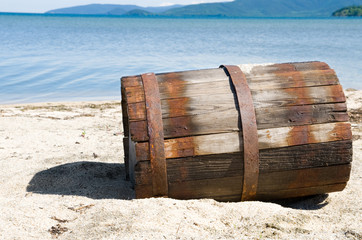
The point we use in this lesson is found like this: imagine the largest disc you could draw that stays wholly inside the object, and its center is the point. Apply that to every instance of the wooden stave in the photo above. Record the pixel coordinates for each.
(340, 103)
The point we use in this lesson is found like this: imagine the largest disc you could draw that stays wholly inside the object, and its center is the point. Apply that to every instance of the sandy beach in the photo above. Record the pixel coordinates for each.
(62, 176)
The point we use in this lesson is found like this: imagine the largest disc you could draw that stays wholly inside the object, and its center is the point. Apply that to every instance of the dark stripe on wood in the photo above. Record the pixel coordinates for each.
(303, 178)
(288, 193)
(271, 161)
(306, 156)
(277, 185)
(300, 192)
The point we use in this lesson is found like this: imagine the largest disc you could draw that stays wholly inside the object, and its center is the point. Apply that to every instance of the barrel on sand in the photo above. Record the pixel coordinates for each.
(246, 132)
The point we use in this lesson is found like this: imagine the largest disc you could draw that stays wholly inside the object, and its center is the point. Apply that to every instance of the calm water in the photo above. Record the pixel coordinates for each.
(64, 58)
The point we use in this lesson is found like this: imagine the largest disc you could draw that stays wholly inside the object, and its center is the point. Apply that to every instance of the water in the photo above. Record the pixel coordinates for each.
(67, 58)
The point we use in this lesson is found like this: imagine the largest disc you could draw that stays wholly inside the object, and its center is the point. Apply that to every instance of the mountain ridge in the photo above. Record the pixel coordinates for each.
(236, 8)
(108, 9)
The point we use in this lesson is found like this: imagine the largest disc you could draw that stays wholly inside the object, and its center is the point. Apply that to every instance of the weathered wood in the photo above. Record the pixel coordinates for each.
(125, 116)
(217, 189)
(303, 178)
(190, 89)
(268, 138)
(314, 73)
(216, 121)
(271, 160)
(303, 132)
(225, 104)
(182, 85)
(287, 193)
(306, 156)
(125, 121)
(132, 159)
(126, 156)
(307, 134)
(225, 121)
(292, 79)
(300, 192)
(301, 115)
(284, 67)
(277, 184)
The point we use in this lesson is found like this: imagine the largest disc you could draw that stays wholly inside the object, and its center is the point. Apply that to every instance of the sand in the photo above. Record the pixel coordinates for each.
(62, 176)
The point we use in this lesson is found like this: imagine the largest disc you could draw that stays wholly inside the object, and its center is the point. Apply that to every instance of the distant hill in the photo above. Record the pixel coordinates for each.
(353, 11)
(264, 8)
(108, 9)
(138, 13)
(237, 8)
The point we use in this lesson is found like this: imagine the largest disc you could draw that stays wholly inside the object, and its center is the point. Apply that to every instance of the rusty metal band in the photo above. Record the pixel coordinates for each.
(155, 134)
(249, 131)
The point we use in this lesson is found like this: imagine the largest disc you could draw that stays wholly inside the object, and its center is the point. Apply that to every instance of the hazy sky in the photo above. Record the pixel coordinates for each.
(40, 6)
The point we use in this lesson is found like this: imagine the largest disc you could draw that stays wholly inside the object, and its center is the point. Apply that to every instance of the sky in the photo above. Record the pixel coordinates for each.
(40, 6)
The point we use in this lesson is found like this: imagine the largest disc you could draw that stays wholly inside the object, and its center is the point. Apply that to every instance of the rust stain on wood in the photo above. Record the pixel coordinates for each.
(294, 77)
(341, 131)
(299, 135)
(301, 95)
(268, 134)
(178, 106)
(184, 147)
(337, 93)
(131, 81)
(173, 85)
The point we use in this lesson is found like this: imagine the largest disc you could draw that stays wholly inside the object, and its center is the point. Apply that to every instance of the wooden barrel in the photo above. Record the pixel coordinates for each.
(246, 132)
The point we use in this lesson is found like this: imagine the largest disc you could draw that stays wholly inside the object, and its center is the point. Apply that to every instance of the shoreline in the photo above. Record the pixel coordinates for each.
(67, 103)
(103, 101)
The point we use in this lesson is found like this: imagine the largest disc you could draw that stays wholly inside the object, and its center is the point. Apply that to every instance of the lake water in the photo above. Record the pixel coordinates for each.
(68, 58)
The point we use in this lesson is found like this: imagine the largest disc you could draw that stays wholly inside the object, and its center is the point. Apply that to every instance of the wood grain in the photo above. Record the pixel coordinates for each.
(272, 186)
(227, 121)
(313, 74)
(221, 87)
(233, 142)
(271, 160)
(304, 136)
